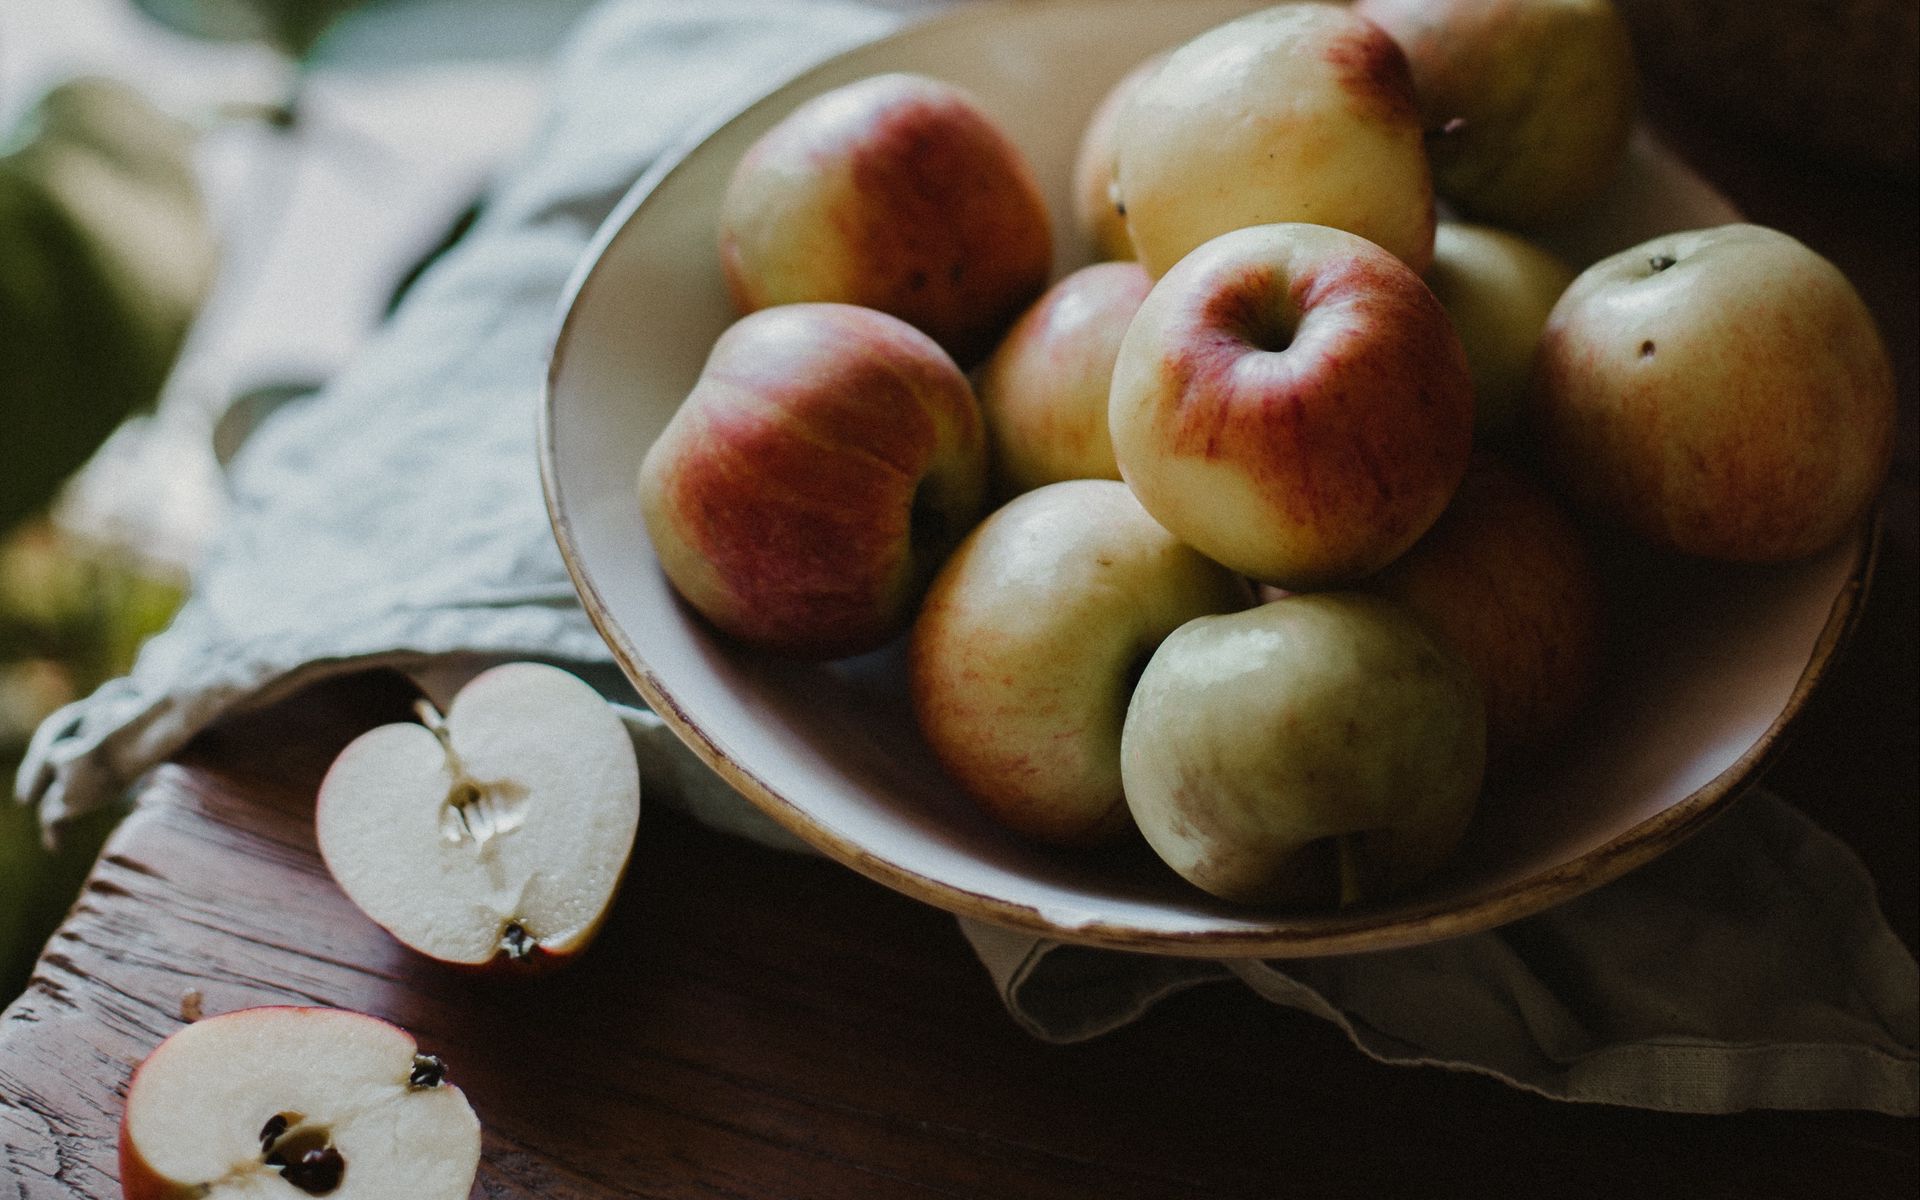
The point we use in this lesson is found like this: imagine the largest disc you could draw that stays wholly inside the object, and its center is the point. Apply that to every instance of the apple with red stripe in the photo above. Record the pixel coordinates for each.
(1292, 401)
(289, 1101)
(898, 192)
(1299, 112)
(825, 463)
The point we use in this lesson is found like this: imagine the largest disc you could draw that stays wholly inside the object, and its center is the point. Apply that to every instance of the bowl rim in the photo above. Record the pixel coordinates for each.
(1330, 934)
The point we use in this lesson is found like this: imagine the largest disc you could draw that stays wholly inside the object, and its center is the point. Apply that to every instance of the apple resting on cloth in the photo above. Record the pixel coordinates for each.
(1300, 112)
(279, 1101)
(1293, 402)
(1721, 392)
(1507, 577)
(1096, 207)
(498, 834)
(1498, 287)
(1528, 102)
(899, 193)
(1318, 750)
(1028, 644)
(1044, 392)
(826, 461)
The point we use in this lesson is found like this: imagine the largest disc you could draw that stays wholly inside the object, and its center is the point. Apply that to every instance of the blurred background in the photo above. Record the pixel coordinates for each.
(207, 205)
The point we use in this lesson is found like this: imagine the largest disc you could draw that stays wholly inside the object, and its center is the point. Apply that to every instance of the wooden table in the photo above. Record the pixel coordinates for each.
(758, 1025)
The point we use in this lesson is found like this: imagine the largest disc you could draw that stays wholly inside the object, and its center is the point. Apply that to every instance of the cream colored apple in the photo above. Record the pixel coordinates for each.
(496, 834)
(1028, 644)
(897, 192)
(1528, 102)
(1317, 751)
(286, 1101)
(1498, 287)
(1096, 204)
(1720, 392)
(1300, 112)
(1293, 402)
(1044, 391)
(1508, 578)
(827, 459)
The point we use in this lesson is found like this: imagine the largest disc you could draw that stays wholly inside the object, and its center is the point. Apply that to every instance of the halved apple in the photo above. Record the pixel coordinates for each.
(498, 833)
(276, 1101)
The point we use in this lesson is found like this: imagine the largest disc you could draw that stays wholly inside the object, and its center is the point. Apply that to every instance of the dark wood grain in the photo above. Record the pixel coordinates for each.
(757, 1025)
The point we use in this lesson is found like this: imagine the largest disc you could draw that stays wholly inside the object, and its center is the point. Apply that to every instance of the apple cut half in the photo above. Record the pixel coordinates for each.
(495, 834)
(281, 1101)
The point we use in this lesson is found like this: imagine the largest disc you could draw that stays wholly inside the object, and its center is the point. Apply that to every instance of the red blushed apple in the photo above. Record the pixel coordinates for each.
(899, 193)
(1044, 391)
(1025, 653)
(1297, 112)
(285, 1101)
(1720, 392)
(826, 461)
(1292, 401)
(1507, 577)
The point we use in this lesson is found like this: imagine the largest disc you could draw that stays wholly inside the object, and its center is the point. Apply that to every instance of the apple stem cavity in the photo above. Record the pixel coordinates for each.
(1660, 262)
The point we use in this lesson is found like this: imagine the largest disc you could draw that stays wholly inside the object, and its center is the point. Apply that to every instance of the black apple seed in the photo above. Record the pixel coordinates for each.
(1660, 262)
(271, 1131)
(316, 1172)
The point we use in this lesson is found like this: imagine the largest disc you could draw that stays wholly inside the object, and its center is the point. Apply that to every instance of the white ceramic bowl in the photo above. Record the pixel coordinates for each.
(1706, 670)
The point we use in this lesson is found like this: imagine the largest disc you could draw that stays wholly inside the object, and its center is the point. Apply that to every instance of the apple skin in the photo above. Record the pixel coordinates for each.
(1293, 402)
(1528, 102)
(1317, 750)
(1498, 287)
(1095, 208)
(1508, 578)
(897, 192)
(1024, 653)
(827, 459)
(1720, 392)
(1300, 112)
(1044, 392)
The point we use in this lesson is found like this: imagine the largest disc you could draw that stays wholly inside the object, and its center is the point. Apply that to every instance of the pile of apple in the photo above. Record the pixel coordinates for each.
(1295, 491)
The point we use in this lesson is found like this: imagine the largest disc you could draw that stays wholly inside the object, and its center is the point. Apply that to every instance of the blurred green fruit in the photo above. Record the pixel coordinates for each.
(105, 255)
(292, 25)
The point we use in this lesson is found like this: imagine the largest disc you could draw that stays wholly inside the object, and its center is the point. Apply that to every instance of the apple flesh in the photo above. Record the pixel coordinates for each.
(1044, 392)
(497, 835)
(1498, 288)
(1027, 647)
(899, 193)
(1096, 203)
(285, 1101)
(1508, 578)
(1720, 392)
(1300, 112)
(1293, 402)
(1317, 751)
(1528, 102)
(826, 461)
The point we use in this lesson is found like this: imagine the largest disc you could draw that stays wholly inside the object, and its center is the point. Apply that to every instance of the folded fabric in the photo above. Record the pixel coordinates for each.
(395, 518)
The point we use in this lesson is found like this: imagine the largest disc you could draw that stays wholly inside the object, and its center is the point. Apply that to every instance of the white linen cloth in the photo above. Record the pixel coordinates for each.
(395, 518)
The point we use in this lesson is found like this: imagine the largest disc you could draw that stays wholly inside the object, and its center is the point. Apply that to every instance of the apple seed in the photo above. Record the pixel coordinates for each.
(271, 1131)
(306, 1159)
(1660, 262)
(317, 1171)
